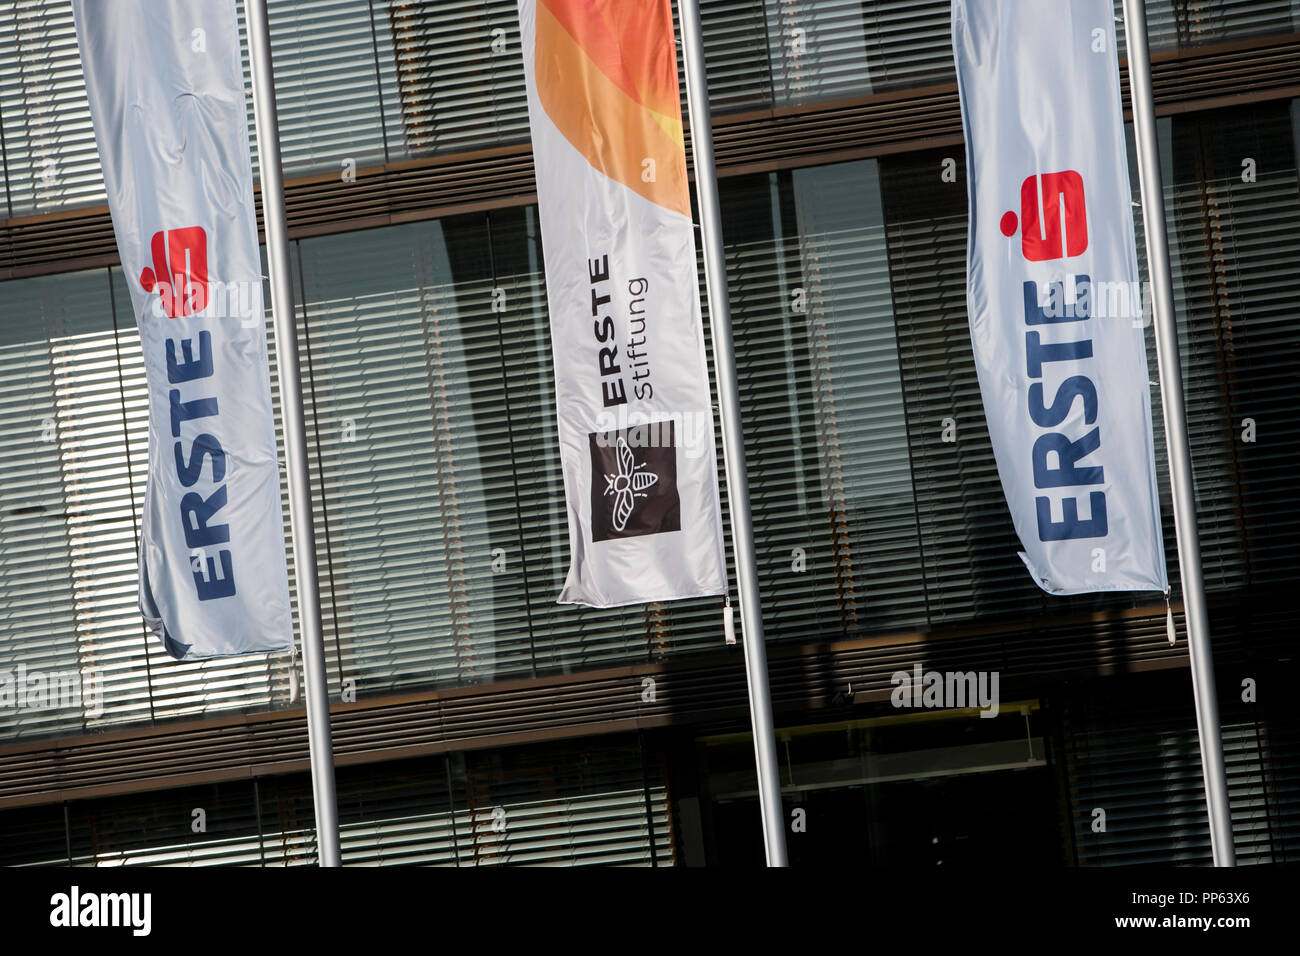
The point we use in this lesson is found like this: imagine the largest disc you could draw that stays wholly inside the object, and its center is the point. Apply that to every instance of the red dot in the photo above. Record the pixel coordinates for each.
(1009, 224)
(147, 280)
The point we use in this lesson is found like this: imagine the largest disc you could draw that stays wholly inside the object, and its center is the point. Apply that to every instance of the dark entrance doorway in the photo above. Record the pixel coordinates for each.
(936, 788)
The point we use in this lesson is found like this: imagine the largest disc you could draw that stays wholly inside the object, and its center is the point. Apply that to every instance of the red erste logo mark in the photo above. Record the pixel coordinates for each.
(1061, 231)
(180, 270)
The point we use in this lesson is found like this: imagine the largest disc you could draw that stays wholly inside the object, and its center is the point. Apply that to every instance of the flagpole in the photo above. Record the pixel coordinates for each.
(1180, 462)
(733, 442)
(295, 438)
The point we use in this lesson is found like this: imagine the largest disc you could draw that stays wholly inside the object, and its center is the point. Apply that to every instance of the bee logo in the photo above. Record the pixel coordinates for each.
(627, 484)
(633, 484)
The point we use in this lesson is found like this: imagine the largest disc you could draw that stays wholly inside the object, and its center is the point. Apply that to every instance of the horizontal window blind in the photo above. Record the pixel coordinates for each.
(552, 805)
(416, 485)
(197, 826)
(329, 100)
(49, 156)
(332, 105)
(1189, 23)
(539, 806)
(1279, 734)
(287, 820)
(392, 818)
(1133, 752)
(1217, 511)
(34, 836)
(577, 808)
(95, 372)
(1239, 244)
(826, 444)
(71, 489)
(856, 387)
(968, 544)
(460, 75)
(832, 50)
(37, 614)
(795, 549)
(796, 52)
(736, 54)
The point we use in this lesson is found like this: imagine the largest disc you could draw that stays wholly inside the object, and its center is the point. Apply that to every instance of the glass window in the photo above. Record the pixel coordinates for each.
(547, 804)
(416, 491)
(826, 438)
(1236, 201)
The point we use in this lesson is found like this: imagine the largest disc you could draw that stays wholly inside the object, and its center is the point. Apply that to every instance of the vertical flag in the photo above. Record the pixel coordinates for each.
(166, 95)
(1053, 292)
(632, 391)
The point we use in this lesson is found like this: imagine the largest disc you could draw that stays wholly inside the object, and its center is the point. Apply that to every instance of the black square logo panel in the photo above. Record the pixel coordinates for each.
(634, 482)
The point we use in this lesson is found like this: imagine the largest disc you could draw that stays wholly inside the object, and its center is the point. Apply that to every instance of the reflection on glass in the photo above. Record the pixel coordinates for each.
(415, 486)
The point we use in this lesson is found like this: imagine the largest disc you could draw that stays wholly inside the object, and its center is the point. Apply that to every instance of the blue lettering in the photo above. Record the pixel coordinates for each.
(214, 577)
(192, 368)
(1065, 474)
(1070, 526)
(196, 512)
(215, 587)
(1036, 353)
(188, 411)
(203, 445)
(1073, 387)
(1058, 310)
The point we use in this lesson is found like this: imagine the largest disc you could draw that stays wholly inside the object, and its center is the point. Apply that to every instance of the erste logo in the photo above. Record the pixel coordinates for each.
(180, 270)
(1053, 219)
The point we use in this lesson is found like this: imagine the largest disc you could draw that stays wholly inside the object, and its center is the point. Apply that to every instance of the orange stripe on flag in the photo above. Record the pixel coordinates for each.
(606, 74)
(626, 39)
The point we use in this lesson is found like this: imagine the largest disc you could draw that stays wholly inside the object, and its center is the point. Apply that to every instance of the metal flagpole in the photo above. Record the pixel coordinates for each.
(295, 438)
(1180, 462)
(733, 442)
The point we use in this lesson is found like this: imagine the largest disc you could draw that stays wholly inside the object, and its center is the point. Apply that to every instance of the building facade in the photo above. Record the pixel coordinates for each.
(475, 721)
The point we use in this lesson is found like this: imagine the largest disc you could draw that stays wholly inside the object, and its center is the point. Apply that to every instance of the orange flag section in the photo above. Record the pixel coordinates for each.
(606, 74)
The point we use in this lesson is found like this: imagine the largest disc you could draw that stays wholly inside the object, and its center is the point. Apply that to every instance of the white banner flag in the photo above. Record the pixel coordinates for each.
(166, 95)
(632, 389)
(1053, 291)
